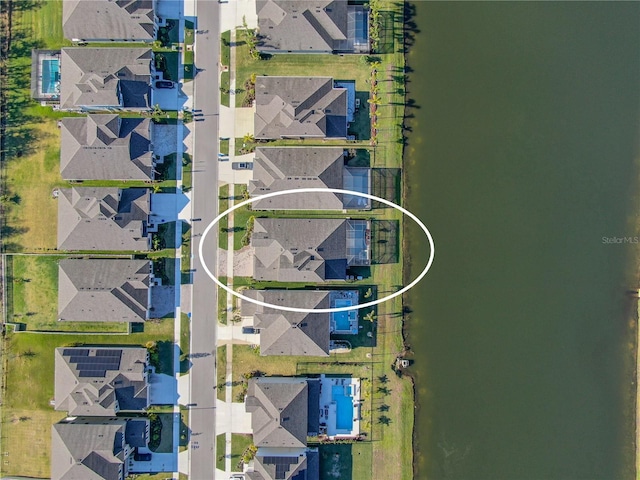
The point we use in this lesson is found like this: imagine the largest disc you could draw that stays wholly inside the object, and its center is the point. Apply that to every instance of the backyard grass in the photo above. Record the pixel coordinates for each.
(31, 220)
(221, 372)
(34, 297)
(41, 22)
(26, 443)
(30, 387)
(220, 451)
(353, 461)
(239, 443)
(223, 198)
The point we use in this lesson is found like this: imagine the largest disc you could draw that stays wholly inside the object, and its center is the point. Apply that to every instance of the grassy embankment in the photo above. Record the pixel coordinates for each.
(389, 413)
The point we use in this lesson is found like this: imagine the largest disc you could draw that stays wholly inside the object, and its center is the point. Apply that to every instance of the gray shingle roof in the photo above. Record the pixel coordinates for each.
(279, 411)
(108, 20)
(299, 107)
(105, 77)
(106, 147)
(276, 169)
(302, 25)
(103, 290)
(299, 250)
(92, 451)
(290, 333)
(80, 390)
(103, 218)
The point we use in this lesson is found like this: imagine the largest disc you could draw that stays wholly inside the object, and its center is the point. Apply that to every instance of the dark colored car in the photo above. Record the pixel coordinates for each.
(165, 84)
(142, 457)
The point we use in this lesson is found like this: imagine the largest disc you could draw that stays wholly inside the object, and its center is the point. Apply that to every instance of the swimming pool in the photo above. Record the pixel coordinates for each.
(50, 76)
(344, 408)
(342, 320)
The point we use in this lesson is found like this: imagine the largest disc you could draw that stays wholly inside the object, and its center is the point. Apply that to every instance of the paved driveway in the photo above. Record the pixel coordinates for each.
(170, 98)
(160, 462)
(164, 139)
(163, 389)
(165, 207)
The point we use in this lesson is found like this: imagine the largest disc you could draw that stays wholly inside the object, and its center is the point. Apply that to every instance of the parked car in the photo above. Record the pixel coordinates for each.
(242, 165)
(165, 84)
(142, 457)
(222, 157)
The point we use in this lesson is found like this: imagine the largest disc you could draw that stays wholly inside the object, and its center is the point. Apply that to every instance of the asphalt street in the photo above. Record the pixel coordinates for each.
(204, 210)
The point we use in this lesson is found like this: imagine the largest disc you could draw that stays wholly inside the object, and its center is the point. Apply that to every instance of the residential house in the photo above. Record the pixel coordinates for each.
(300, 107)
(95, 448)
(290, 333)
(283, 410)
(277, 169)
(104, 290)
(103, 218)
(109, 20)
(106, 147)
(308, 250)
(101, 381)
(319, 26)
(106, 78)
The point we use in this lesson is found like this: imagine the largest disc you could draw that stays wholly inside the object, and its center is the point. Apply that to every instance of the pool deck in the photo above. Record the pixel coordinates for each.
(328, 407)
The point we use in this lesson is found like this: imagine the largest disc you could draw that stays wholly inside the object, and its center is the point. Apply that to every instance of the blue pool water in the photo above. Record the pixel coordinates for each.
(344, 408)
(341, 319)
(50, 76)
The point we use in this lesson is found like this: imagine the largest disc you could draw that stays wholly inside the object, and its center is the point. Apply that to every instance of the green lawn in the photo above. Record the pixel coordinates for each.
(187, 171)
(185, 332)
(353, 461)
(188, 33)
(225, 48)
(220, 451)
(225, 84)
(224, 146)
(222, 301)
(185, 254)
(221, 372)
(223, 198)
(188, 66)
(33, 298)
(42, 21)
(239, 443)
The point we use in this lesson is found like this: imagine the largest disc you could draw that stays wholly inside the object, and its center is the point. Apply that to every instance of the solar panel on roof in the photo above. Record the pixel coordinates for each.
(108, 353)
(76, 352)
(92, 373)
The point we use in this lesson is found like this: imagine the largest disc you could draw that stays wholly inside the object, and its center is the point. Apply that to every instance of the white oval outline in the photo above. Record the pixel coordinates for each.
(317, 310)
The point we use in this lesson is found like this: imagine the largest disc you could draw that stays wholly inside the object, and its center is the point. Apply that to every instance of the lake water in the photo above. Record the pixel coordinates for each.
(522, 155)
